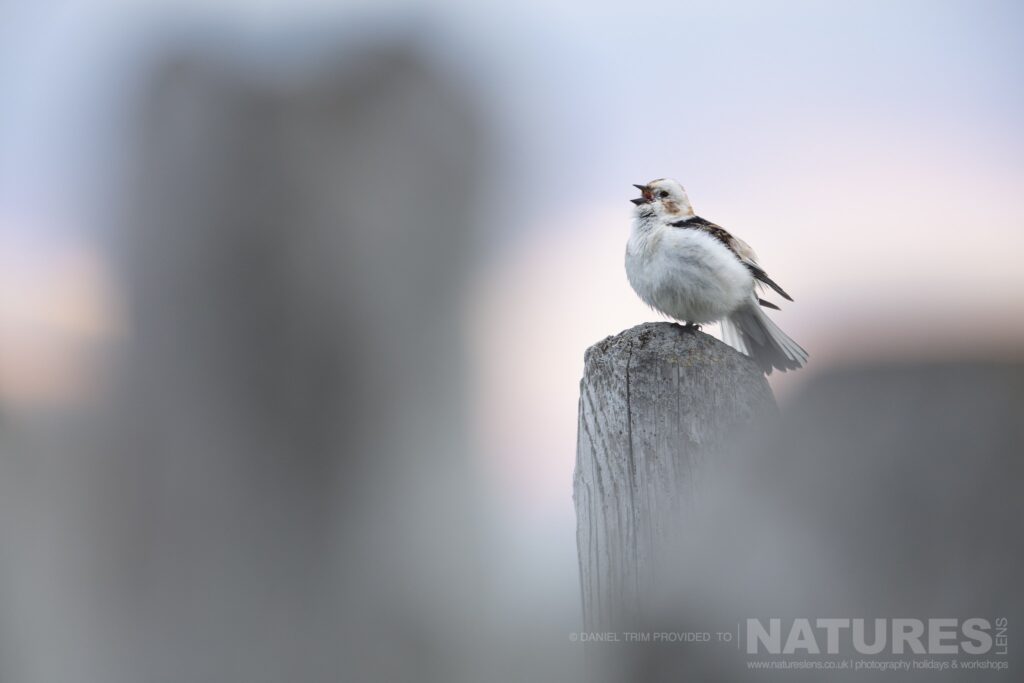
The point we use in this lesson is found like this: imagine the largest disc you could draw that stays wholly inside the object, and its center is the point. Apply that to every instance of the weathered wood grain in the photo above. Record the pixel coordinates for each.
(657, 402)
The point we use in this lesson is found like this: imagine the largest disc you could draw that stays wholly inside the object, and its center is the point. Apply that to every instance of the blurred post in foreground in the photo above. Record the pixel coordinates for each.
(657, 404)
(888, 489)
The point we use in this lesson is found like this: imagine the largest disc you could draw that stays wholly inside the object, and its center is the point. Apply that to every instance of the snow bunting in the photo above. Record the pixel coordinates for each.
(696, 272)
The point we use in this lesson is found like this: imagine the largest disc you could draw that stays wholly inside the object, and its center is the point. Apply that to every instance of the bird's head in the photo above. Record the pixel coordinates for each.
(663, 197)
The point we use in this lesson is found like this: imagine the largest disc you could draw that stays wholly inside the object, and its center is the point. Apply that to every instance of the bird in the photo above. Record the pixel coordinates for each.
(696, 272)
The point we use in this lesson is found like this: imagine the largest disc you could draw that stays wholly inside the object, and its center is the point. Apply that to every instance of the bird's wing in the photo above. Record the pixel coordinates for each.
(742, 250)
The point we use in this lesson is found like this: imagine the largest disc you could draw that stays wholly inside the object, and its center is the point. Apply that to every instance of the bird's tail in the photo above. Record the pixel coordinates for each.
(752, 332)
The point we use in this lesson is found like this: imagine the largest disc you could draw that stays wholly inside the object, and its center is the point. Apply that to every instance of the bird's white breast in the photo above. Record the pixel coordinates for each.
(686, 273)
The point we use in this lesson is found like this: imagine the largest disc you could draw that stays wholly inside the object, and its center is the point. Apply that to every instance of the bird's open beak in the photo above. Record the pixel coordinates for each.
(645, 195)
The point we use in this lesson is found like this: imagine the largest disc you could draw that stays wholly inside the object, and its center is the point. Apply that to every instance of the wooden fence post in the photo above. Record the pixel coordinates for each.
(656, 403)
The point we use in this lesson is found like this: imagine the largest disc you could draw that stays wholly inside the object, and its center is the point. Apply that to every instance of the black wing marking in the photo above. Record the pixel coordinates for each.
(759, 274)
(768, 304)
(716, 231)
(722, 235)
(698, 223)
(693, 222)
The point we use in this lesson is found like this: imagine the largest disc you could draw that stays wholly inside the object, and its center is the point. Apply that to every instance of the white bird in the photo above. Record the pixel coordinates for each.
(696, 272)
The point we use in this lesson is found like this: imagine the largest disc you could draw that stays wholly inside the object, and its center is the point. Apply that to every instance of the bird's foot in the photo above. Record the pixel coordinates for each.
(692, 327)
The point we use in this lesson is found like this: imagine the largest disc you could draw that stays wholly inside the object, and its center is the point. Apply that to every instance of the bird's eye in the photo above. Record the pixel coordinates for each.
(663, 194)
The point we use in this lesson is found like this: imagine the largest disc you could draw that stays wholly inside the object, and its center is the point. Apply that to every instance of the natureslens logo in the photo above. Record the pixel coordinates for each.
(802, 636)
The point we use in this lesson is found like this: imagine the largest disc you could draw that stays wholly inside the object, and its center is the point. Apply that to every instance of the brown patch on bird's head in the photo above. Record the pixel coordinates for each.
(665, 196)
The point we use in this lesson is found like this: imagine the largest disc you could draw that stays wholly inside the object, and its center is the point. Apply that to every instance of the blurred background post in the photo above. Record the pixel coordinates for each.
(275, 483)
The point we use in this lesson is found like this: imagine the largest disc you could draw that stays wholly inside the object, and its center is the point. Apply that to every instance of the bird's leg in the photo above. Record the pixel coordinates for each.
(692, 327)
